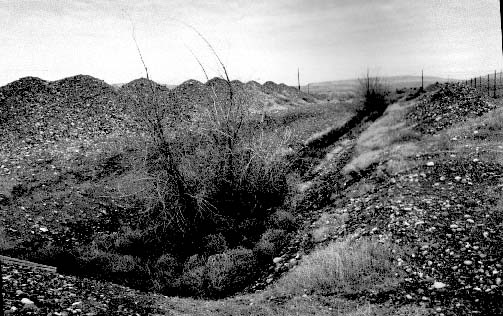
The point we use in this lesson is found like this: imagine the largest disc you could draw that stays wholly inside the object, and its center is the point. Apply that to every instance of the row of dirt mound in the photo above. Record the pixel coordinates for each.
(79, 106)
(38, 115)
(267, 97)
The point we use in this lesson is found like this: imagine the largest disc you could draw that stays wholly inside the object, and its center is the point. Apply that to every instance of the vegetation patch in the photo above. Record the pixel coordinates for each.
(344, 268)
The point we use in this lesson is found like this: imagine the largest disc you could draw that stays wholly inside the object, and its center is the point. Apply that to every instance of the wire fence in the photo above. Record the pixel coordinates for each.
(490, 84)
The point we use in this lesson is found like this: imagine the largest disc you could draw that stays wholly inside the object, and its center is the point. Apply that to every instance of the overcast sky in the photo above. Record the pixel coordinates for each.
(257, 39)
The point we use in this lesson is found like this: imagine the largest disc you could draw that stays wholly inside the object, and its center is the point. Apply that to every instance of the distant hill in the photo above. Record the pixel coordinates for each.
(346, 88)
(121, 84)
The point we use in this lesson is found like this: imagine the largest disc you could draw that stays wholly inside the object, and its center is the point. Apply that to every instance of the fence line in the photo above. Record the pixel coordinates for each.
(492, 85)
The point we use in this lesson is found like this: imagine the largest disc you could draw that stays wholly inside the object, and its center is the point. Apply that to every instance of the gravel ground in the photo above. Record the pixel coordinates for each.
(446, 215)
(451, 104)
(29, 291)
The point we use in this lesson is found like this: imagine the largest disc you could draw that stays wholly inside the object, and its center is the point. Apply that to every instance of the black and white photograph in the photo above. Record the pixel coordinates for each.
(251, 157)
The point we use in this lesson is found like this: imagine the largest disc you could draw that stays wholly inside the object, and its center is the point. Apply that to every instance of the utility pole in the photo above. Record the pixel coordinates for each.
(422, 81)
(298, 78)
(501, 23)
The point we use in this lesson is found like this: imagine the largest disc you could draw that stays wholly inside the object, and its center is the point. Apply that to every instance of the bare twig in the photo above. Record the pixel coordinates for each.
(133, 32)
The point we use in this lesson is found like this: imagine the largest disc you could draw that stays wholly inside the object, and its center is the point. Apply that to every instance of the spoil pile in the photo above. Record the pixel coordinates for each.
(451, 104)
(36, 111)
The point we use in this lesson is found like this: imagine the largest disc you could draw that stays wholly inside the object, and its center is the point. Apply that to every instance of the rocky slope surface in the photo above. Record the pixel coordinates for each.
(445, 215)
(29, 291)
(449, 105)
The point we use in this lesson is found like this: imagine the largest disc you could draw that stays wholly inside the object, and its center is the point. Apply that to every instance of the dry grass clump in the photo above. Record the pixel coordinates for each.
(228, 271)
(375, 310)
(6, 243)
(6, 187)
(346, 267)
(363, 161)
(488, 126)
(386, 138)
(480, 136)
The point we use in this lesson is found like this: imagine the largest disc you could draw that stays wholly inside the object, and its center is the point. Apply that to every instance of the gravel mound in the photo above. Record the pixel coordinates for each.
(451, 104)
(35, 111)
(42, 121)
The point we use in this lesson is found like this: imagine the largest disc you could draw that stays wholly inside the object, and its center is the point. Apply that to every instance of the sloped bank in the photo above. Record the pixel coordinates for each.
(438, 199)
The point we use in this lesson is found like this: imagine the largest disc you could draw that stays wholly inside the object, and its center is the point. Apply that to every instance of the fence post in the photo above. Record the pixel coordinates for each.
(488, 83)
(501, 73)
(475, 82)
(494, 84)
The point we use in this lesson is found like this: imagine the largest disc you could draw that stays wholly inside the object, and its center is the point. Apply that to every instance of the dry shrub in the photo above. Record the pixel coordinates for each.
(209, 166)
(193, 278)
(193, 281)
(129, 241)
(229, 271)
(346, 267)
(270, 243)
(283, 220)
(167, 270)
(215, 171)
(167, 265)
(122, 263)
(214, 243)
(104, 241)
(126, 269)
(375, 95)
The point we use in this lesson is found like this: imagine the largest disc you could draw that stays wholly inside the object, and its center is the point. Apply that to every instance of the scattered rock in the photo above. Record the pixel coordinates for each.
(278, 260)
(26, 301)
(439, 285)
